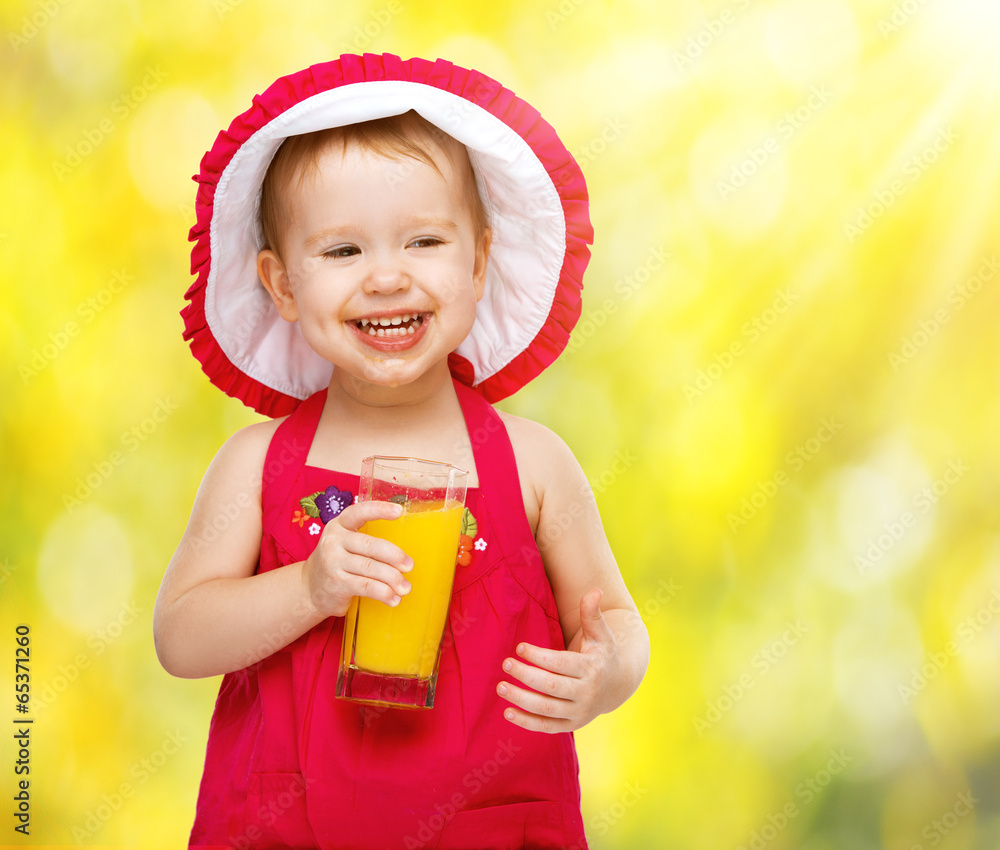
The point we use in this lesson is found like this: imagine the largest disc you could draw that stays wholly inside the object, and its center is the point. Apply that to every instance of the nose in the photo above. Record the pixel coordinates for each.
(385, 275)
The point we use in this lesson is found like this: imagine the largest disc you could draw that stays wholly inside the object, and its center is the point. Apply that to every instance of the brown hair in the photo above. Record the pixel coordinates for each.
(396, 137)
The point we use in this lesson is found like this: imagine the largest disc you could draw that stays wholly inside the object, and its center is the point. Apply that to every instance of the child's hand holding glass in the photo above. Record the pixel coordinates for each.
(347, 562)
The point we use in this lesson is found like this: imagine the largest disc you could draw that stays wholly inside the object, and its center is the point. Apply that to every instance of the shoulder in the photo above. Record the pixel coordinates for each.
(539, 445)
(253, 439)
(223, 534)
(544, 461)
(242, 455)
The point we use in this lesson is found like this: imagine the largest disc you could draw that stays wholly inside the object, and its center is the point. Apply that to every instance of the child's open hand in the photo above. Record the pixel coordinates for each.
(347, 563)
(573, 685)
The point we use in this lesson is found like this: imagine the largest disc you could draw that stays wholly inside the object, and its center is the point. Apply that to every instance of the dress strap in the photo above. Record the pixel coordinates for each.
(497, 469)
(287, 453)
(491, 448)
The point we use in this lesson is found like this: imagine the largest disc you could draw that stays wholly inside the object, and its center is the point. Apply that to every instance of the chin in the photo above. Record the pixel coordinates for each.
(390, 372)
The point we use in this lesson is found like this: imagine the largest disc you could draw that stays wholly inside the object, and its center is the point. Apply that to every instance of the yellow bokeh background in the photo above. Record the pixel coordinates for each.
(782, 389)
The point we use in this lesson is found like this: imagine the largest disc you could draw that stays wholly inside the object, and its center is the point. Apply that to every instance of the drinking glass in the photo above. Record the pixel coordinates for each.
(390, 655)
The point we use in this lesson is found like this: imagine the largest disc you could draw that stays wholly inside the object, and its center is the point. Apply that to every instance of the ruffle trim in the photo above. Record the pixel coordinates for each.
(479, 89)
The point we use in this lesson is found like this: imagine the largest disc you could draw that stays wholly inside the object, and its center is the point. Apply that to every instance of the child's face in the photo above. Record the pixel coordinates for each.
(380, 265)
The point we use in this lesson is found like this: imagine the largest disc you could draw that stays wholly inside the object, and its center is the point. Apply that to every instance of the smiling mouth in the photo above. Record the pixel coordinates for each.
(391, 326)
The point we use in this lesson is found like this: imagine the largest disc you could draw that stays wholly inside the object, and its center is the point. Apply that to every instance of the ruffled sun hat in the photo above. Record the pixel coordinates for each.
(533, 191)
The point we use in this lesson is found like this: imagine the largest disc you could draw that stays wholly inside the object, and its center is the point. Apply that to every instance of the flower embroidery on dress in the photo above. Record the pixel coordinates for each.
(469, 529)
(481, 544)
(331, 502)
(323, 505)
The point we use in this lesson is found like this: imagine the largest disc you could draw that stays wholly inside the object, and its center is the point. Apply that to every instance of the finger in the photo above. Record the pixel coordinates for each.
(370, 571)
(548, 725)
(592, 621)
(537, 704)
(355, 577)
(354, 516)
(377, 549)
(371, 588)
(543, 681)
(563, 662)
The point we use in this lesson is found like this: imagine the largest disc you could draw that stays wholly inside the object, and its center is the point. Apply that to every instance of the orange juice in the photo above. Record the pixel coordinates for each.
(404, 641)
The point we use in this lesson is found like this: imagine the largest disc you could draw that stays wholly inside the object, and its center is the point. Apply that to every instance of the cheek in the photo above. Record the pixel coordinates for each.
(315, 299)
(461, 288)
(468, 313)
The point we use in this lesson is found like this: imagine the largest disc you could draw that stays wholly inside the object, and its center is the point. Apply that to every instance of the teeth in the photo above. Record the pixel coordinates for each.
(381, 332)
(390, 321)
(391, 326)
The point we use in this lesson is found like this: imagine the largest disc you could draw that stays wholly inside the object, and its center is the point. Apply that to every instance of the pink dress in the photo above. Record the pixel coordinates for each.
(290, 766)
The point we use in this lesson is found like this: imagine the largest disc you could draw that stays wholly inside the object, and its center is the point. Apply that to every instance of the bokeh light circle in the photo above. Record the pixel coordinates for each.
(85, 569)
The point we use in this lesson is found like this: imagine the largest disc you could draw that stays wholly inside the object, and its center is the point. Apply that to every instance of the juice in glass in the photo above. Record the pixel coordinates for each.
(404, 640)
(389, 654)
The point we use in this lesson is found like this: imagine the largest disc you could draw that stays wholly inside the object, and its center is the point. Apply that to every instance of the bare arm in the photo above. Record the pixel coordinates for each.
(607, 645)
(578, 558)
(213, 614)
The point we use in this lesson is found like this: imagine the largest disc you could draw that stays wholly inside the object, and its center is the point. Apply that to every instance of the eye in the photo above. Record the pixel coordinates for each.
(342, 251)
(426, 242)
